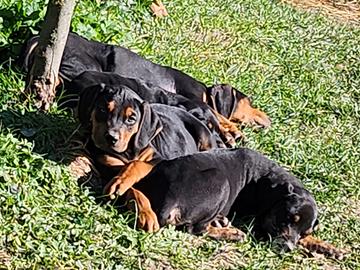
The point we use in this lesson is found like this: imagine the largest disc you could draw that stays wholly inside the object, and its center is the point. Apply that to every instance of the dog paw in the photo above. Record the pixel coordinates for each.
(226, 233)
(148, 221)
(221, 221)
(235, 234)
(319, 246)
(117, 186)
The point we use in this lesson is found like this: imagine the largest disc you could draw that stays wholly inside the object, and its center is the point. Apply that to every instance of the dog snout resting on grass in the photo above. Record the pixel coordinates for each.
(194, 190)
(133, 136)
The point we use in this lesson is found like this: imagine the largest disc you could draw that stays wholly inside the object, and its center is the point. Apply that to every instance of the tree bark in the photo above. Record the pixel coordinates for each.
(43, 77)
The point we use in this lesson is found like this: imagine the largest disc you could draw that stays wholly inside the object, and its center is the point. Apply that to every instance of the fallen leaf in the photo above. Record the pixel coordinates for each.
(158, 9)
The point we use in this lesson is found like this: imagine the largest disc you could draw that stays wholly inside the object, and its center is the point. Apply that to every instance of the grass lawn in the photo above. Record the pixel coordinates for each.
(302, 68)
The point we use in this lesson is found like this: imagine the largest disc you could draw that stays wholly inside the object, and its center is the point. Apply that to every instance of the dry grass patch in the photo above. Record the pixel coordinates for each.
(344, 10)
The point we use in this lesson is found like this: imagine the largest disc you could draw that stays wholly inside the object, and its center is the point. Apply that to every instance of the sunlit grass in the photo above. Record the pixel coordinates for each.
(302, 69)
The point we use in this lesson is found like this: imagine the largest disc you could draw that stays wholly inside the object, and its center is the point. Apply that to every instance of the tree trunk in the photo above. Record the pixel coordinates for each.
(43, 77)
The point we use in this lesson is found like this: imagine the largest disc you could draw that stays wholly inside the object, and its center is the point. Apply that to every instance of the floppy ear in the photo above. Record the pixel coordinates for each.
(150, 126)
(88, 97)
(222, 99)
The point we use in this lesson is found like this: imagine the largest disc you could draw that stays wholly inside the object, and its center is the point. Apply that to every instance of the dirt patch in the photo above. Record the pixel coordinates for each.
(344, 10)
(5, 259)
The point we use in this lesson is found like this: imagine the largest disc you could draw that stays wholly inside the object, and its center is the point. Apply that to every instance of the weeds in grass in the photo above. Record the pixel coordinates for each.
(301, 68)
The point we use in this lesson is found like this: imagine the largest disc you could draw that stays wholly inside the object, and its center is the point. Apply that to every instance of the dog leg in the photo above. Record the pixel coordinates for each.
(147, 219)
(313, 244)
(228, 129)
(226, 233)
(131, 174)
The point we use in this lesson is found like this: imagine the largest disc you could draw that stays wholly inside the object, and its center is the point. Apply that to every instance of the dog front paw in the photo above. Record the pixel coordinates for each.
(118, 186)
(226, 233)
(148, 221)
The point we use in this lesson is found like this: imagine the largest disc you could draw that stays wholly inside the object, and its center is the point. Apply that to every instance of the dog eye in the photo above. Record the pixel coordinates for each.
(131, 119)
(101, 110)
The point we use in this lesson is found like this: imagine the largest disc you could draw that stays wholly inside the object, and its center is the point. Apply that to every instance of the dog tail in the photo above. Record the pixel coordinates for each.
(313, 244)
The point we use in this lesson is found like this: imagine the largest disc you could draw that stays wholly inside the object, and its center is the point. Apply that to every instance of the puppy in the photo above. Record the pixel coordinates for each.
(82, 55)
(154, 94)
(193, 191)
(133, 136)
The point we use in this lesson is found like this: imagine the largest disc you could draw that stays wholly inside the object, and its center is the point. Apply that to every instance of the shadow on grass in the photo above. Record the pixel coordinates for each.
(59, 138)
(53, 136)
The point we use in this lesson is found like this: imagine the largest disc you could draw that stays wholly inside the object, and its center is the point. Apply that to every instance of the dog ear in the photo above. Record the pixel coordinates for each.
(150, 126)
(222, 99)
(88, 97)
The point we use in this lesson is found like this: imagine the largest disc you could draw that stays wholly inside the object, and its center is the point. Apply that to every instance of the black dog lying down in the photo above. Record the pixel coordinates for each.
(137, 135)
(193, 191)
(152, 94)
(82, 55)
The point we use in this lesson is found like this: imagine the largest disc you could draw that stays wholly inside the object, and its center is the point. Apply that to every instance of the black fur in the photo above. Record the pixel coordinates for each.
(170, 131)
(222, 181)
(82, 55)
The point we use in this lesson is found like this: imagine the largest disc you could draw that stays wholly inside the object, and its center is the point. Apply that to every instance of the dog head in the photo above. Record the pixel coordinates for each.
(118, 117)
(294, 216)
(235, 105)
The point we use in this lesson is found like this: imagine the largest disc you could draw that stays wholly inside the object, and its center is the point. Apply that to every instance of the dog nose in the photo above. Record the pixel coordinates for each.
(112, 138)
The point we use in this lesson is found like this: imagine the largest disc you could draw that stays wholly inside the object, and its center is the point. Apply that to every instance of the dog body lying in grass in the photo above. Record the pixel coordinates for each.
(152, 94)
(137, 135)
(193, 191)
(82, 55)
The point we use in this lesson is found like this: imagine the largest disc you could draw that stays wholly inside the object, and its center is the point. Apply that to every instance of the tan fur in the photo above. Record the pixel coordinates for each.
(111, 106)
(147, 218)
(227, 128)
(110, 161)
(128, 111)
(225, 233)
(246, 114)
(125, 133)
(313, 244)
(131, 174)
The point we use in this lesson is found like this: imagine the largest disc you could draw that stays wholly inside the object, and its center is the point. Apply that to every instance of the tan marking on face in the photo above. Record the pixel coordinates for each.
(128, 111)
(99, 130)
(111, 106)
(246, 114)
(126, 132)
(125, 135)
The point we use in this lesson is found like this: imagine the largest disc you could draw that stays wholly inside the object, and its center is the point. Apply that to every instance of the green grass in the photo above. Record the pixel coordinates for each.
(301, 68)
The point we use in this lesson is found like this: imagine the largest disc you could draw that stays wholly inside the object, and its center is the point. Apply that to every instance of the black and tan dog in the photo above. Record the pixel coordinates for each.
(82, 55)
(154, 94)
(193, 191)
(137, 135)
